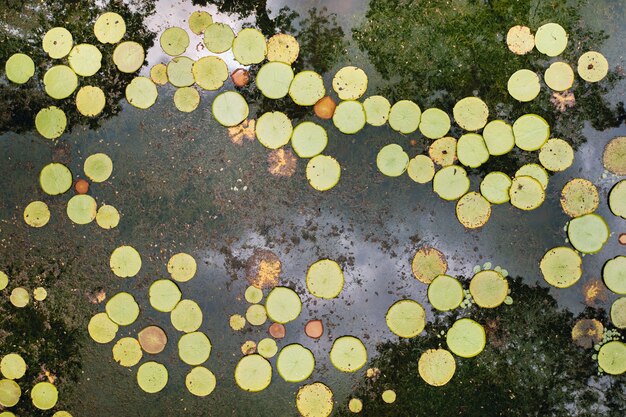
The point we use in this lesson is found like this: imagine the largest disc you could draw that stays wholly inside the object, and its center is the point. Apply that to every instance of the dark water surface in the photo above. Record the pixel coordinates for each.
(180, 184)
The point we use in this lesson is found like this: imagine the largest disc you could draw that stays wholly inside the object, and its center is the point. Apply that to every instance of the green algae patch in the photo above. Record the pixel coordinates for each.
(579, 197)
(283, 48)
(350, 83)
(559, 76)
(614, 274)
(466, 338)
(125, 261)
(90, 101)
(194, 348)
(186, 99)
(10, 392)
(200, 381)
(82, 209)
(588, 233)
(520, 40)
(141, 92)
(488, 288)
(230, 108)
(44, 395)
(434, 123)
(349, 117)
(309, 139)
(249, 47)
(253, 373)
(295, 363)
(561, 267)
(471, 113)
(210, 72)
(127, 352)
(256, 315)
(128, 56)
(102, 329)
(443, 151)
(324, 279)
(98, 167)
(471, 150)
(348, 354)
(283, 305)
(57, 42)
(592, 67)
(612, 357)
(531, 132)
(556, 155)
(526, 193)
(473, 210)
(51, 122)
(495, 187)
(617, 199)
(218, 38)
(273, 79)
(107, 217)
(376, 110)
(199, 21)
(314, 400)
(436, 367)
(445, 293)
(524, 85)
(186, 316)
(273, 129)
(12, 366)
(267, 348)
(428, 263)
(19, 68)
(551, 39)
(55, 179)
(122, 309)
(36, 214)
(323, 172)
(392, 161)
(406, 318)
(405, 116)
(614, 156)
(174, 41)
(85, 59)
(152, 377)
(109, 28)
(535, 171)
(164, 295)
(307, 88)
(60, 81)
(498, 137)
(181, 267)
(421, 169)
(451, 182)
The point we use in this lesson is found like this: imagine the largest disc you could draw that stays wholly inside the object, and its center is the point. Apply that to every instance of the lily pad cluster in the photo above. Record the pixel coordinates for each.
(551, 40)
(194, 347)
(44, 395)
(56, 179)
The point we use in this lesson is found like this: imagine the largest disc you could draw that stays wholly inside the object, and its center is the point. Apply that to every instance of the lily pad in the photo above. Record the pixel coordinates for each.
(90, 101)
(349, 117)
(253, 373)
(60, 81)
(323, 172)
(376, 110)
(186, 316)
(445, 293)
(561, 267)
(592, 66)
(230, 108)
(471, 113)
(51, 122)
(556, 155)
(249, 46)
(57, 42)
(617, 199)
(141, 93)
(295, 363)
(350, 83)
(495, 187)
(200, 381)
(451, 182)
(181, 267)
(436, 367)
(199, 21)
(392, 161)
(314, 400)
(283, 305)
(274, 79)
(488, 288)
(579, 197)
(434, 123)
(36, 214)
(526, 193)
(520, 40)
(473, 210)
(498, 137)
(466, 338)
(186, 99)
(348, 354)
(531, 132)
(282, 48)
(524, 85)
(406, 318)
(559, 76)
(19, 68)
(210, 72)
(588, 233)
(125, 261)
(82, 209)
(194, 348)
(307, 88)
(421, 169)
(55, 179)
(109, 28)
(85, 59)
(471, 150)
(309, 139)
(443, 151)
(152, 377)
(218, 37)
(405, 116)
(122, 309)
(273, 129)
(174, 41)
(551, 39)
(324, 279)
(128, 56)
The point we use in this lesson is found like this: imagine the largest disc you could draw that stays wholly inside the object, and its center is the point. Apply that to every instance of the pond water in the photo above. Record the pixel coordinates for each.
(181, 184)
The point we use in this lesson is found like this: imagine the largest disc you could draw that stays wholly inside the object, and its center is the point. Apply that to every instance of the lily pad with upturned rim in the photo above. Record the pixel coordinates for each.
(617, 199)
(82, 209)
(466, 338)
(274, 79)
(200, 381)
(85, 59)
(324, 279)
(309, 139)
(559, 76)
(428, 263)
(434, 123)
(471, 150)
(44, 395)
(445, 293)
(556, 155)
(473, 210)
(273, 129)
(307, 88)
(282, 48)
(535, 171)
(488, 288)
(253, 373)
(122, 309)
(283, 305)
(451, 182)
(531, 132)
(164, 295)
(125, 261)
(614, 274)
(90, 101)
(199, 21)
(60, 81)
(421, 169)
(498, 137)
(526, 193)
(295, 363)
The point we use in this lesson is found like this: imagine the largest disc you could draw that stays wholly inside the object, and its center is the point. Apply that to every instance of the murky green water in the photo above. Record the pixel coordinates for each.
(180, 184)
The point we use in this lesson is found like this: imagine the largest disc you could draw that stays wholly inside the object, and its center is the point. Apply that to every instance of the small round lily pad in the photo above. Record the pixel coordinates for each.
(436, 367)
(612, 357)
(174, 41)
(141, 92)
(230, 108)
(495, 187)
(309, 139)
(51, 122)
(107, 217)
(125, 261)
(36, 214)
(348, 354)
(180, 71)
(405, 116)
(523, 85)
(44, 395)
(283, 305)
(466, 338)
(109, 28)
(350, 83)
(90, 101)
(249, 46)
(282, 48)
(614, 274)
(421, 169)
(434, 123)
(520, 40)
(488, 288)
(164, 295)
(55, 179)
(561, 267)
(152, 377)
(559, 76)
(323, 172)
(588, 233)
(324, 279)
(152, 339)
(307, 88)
(406, 318)
(122, 309)
(451, 182)
(556, 155)
(428, 263)
(82, 209)
(471, 150)
(102, 329)
(85, 59)
(349, 117)
(473, 210)
(445, 293)
(199, 21)
(614, 156)
(253, 373)
(57, 42)
(617, 199)
(186, 99)
(471, 113)
(127, 352)
(218, 37)
(535, 171)
(592, 66)
(194, 348)
(551, 39)
(392, 160)
(376, 110)
(12, 366)
(200, 381)
(273, 129)
(19, 68)
(579, 197)
(443, 151)
(158, 74)
(210, 72)
(98, 167)
(186, 316)
(531, 132)
(274, 79)
(60, 81)
(181, 267)
(314, 400)
(128, 56)
(498, 137)
(295, 363)
(526, 193)
(19, 297)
